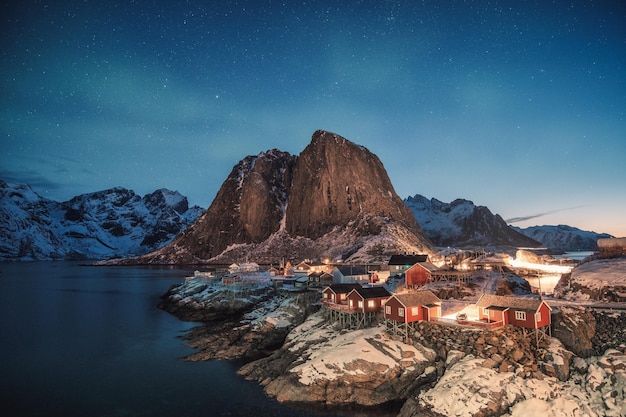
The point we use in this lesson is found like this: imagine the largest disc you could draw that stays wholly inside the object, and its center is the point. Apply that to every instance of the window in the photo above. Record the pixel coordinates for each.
(360, 303)
(485, 312)
(401, 312)
(414, 311)
(520, 315)
(387, 309)
(538, 316)
(371, 304)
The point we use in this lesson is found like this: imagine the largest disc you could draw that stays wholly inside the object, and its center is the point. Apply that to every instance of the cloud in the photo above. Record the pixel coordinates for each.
(30, 177)
(534, 216)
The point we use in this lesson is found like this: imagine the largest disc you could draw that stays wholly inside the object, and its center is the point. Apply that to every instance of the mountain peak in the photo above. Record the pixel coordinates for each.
(333, 200)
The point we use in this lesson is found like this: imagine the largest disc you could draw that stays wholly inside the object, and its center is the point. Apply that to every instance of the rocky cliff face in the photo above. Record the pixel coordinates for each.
(114, 222)
(247, 209)
(335, 200)
(463, 224)
(337, 182)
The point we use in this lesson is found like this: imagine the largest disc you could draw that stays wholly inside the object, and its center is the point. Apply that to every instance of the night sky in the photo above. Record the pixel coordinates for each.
(517, 106)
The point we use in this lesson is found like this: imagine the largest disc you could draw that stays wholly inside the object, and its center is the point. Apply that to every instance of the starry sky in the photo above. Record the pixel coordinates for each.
(515, 105)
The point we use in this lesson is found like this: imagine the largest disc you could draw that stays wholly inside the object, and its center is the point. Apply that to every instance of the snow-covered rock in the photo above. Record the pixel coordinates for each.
(596, 279)
(468, 388)
(321, 364)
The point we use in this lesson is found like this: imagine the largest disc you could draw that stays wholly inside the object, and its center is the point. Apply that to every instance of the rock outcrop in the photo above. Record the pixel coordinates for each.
(237, 322)
(247, 209)
(335, 200)
(318, 364)
(337, 183)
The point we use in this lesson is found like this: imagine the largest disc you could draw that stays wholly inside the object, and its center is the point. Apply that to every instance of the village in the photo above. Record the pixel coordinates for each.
(336, 333)
(396, 294)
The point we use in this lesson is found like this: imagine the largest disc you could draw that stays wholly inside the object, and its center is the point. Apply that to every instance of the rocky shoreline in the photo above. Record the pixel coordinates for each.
(299, 357)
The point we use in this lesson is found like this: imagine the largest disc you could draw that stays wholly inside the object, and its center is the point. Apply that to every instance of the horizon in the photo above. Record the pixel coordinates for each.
(516, 108)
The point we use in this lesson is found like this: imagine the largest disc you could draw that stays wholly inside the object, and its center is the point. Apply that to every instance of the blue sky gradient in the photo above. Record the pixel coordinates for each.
(517, 106)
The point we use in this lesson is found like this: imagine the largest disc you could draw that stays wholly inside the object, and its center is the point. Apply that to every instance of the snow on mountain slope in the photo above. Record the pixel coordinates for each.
(115, 222)
(563, 238)
(463, 224)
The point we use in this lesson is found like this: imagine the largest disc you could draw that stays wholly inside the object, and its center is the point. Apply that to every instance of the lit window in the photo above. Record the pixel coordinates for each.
(520, 315)
(360, 303)
(371, 304)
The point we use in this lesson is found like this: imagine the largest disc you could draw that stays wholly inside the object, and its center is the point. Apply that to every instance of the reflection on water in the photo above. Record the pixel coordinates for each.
(89, 341)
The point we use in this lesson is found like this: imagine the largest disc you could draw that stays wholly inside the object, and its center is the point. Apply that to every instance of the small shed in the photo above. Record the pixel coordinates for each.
(230, 279)
(302, 268)
(274, 271)
(530, 313)
(350, 274)
(367, 299)
(419, 274)
(399, 263)
(320, 279)
(337, 293)
(249, 267)
(412, 307)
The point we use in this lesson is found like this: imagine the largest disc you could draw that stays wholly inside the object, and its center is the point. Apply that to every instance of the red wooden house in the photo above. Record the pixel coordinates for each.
(527, 312)
(419, 274)
(412, 307)
(367, 299)
(399, 263)
(337, 293)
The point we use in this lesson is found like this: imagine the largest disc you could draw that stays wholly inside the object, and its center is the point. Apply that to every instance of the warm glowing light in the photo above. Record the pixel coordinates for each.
(552, 269)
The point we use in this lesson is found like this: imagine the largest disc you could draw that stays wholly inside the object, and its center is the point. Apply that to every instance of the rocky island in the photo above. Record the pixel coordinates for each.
(298, 355)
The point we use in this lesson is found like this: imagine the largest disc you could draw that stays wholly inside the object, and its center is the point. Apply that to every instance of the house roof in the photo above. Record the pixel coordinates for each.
(352, 270)
(406, 259)
(372, 292)
(517, 303)
(342, 288)
(426, 265)
(418, 298)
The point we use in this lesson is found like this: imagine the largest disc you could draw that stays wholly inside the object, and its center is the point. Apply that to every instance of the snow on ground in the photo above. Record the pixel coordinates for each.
(275, 311)
(601, 273)
(596, 388)
(333, 355)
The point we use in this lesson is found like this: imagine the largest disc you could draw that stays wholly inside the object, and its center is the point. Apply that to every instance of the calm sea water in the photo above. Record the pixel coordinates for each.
(89, 341)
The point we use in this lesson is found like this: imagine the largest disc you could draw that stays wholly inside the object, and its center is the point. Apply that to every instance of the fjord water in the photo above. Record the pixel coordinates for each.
(89, 341)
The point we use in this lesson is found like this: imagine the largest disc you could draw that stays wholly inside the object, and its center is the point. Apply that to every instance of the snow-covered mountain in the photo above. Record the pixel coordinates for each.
(463, 224)
(563, 238)
(103, 224)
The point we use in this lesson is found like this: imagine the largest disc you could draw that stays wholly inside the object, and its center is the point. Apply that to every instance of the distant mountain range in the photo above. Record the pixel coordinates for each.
(564, 238)
(104, 224)
(463, 224)
(334, 200)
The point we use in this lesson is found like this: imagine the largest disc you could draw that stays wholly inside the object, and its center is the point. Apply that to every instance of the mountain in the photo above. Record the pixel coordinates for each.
(463, 224)
(564, 238)
(104, 224)
(334, 200)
